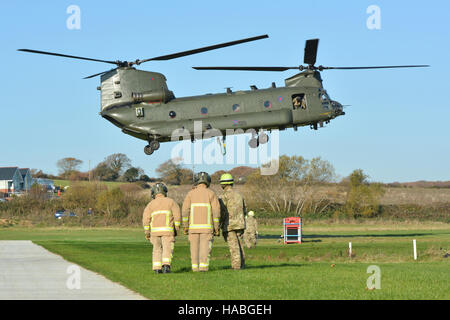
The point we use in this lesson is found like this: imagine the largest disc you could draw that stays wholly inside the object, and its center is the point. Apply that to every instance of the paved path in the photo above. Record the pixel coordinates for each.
(30, 272)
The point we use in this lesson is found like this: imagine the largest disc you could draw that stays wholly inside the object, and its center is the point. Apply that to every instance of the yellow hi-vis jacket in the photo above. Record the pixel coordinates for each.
(162, 216)
(201, 210)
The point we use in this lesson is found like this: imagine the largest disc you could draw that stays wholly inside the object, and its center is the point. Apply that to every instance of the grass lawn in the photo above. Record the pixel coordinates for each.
(274, 270)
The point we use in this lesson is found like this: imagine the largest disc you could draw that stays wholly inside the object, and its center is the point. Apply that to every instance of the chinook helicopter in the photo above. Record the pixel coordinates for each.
(141, 105)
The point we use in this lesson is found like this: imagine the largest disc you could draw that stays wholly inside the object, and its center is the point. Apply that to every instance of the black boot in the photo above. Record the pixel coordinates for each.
(158, 271)
(166, 268)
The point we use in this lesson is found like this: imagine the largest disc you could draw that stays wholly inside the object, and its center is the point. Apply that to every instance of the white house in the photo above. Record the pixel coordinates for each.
(11, 180)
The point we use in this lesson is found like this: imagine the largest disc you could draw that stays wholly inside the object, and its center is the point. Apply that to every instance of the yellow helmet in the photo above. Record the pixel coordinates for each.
(226, 178)
(251, 213)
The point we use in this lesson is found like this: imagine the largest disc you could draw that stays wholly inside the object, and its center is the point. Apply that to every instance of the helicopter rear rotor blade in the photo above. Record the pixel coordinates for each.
(246, 68)
(311, 51)
(66, 56)
(319, 68)
(374, 67)
(199, 50)
(97, 74)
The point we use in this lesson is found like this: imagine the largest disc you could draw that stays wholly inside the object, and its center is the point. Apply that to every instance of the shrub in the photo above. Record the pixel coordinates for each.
(112, 203)
(363, 199)
(82, 195)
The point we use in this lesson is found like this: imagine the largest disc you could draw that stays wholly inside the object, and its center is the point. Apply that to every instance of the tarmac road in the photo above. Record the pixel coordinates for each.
(30, 272)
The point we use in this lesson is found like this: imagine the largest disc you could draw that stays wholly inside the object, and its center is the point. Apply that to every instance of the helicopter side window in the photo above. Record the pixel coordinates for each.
(299, 101)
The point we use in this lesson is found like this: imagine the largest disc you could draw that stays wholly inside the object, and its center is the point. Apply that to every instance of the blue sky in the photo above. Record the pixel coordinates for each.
(395, 130)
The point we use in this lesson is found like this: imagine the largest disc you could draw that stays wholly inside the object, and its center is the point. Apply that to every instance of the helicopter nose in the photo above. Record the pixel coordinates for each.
(338, 108)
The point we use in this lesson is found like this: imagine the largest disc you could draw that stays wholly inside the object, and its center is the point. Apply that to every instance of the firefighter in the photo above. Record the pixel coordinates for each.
(161, 220)
(233, 214)
(251, 230)
(201, 213)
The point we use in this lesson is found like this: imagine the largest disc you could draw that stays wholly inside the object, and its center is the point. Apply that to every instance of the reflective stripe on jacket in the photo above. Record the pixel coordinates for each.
(201, 210)
(162, 216)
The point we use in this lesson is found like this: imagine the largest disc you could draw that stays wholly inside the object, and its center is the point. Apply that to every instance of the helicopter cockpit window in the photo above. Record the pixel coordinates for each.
(325, 100)
(299, 101)
(323, 97)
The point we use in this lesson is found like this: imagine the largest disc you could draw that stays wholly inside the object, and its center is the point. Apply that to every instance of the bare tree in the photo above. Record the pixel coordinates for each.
(118, 162)
(67, 166)
(172, 172)
(294, 188)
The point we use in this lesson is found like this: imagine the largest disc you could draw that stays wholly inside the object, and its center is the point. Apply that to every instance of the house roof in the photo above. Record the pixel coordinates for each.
(24, 171)
(7, 173)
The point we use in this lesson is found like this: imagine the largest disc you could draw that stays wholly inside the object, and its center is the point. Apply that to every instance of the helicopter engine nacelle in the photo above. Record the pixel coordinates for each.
(127, 85)
(152, 96)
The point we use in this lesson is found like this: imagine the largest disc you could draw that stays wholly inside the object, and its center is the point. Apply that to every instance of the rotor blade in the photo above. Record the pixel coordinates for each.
(194, 51)
(65, 55)
(311, 51)
(97, 74)
(246, 68)
(374, 67)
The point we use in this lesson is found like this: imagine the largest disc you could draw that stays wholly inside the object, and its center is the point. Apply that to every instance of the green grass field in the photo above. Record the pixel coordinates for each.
(274, 270)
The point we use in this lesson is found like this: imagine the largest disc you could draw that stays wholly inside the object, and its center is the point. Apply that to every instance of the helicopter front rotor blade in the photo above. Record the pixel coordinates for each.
(246, 68)
(66, 55)
(199, 50)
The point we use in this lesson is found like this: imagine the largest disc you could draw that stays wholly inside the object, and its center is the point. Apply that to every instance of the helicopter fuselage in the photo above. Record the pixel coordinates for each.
(147, 110)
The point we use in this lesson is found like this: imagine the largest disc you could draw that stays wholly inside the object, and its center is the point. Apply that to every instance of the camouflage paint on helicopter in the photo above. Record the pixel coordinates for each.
(140, 103)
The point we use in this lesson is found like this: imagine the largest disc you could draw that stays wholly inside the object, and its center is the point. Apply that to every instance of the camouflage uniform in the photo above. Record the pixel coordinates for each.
(233, 213)
(251, 232)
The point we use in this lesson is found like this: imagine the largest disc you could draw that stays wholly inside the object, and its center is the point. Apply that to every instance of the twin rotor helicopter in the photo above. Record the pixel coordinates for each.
(141, 105)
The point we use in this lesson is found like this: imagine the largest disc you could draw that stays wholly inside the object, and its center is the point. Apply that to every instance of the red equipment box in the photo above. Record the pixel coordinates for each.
(292, 230)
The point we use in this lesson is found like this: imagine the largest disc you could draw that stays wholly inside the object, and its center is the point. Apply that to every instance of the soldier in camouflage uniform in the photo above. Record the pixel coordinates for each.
(251, 230)
(233, 213)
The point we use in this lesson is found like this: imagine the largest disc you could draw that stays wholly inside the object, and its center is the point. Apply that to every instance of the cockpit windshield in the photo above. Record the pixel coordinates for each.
(323, 96)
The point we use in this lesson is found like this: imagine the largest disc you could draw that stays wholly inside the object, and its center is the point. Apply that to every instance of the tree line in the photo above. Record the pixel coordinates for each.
(115, 167)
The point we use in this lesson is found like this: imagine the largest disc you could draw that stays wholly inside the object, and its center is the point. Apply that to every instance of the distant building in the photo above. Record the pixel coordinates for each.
(48, 183)
(27, 179)
(11, 180)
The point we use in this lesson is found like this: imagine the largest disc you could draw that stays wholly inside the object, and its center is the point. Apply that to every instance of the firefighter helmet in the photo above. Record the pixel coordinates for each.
(159, 188)
(202, 177)
(226, 178)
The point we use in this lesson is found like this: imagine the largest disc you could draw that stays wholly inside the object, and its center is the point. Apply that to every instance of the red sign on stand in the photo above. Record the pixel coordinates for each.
(292, 230)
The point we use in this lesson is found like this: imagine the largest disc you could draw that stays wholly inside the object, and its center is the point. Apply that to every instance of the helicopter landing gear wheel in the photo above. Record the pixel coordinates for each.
(263, 138)
(148, 150)
(253, 143)
(154, 145)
